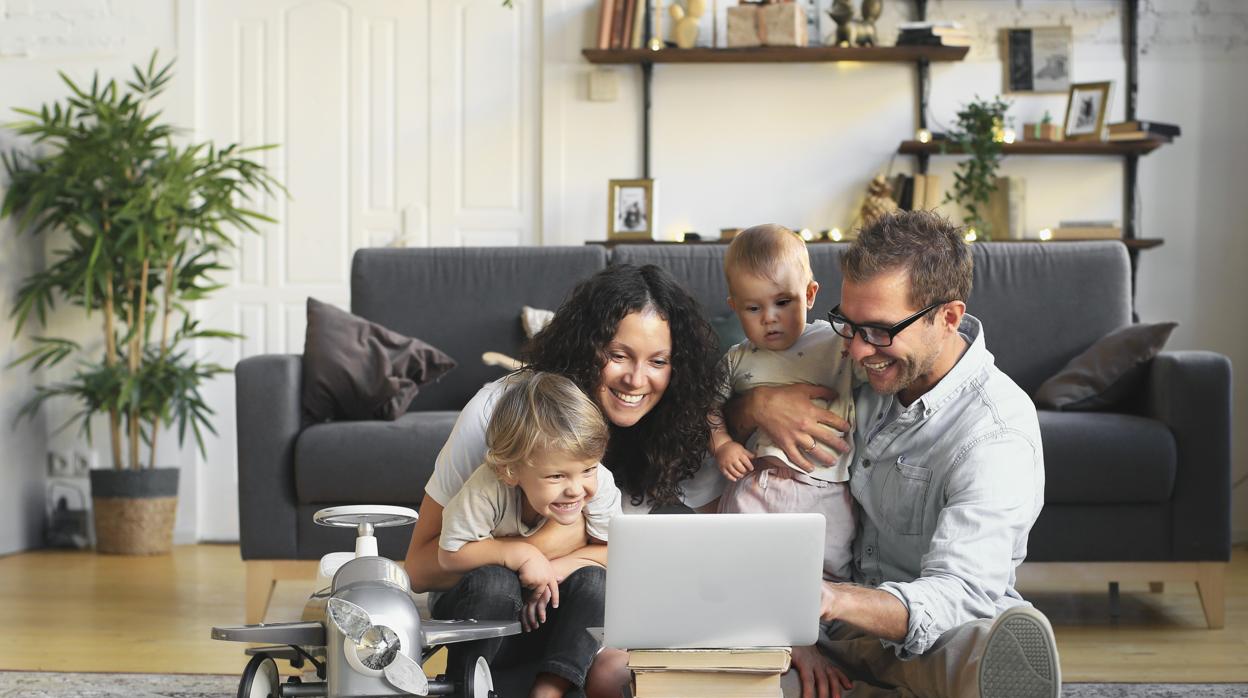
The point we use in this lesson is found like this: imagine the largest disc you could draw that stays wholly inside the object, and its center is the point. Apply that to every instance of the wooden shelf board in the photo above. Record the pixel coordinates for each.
(778, 54)
(1043, 148)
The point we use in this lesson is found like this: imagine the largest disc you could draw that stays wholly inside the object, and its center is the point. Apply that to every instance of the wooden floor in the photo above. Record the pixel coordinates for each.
(77, 611)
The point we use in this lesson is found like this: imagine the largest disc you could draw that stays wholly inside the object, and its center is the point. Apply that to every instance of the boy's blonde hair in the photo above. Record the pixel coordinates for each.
(762, 249)
(542, 413)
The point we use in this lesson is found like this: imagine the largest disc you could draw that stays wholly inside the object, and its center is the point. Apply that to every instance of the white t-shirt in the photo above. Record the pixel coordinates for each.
(819, 357)
(486, 507)
(464, 451)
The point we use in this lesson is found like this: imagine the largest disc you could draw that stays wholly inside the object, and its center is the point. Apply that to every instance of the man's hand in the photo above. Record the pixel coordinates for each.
(808, 434)
(820, 678)
(734, 460)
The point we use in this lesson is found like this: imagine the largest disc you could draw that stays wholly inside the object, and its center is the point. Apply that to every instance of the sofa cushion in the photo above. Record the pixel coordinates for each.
(356, 369)
(465, 301)
(1042, 303)
(1109, 371)
(1103, 458)
(370, 462)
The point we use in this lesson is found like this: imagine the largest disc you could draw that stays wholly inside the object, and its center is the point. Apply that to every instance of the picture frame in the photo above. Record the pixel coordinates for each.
(630, 209)
(1086, 107)
(1037, 59)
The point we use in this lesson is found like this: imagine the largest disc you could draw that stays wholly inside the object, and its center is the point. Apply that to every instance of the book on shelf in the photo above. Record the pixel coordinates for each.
(926, 38)
(639, 16)
(935, 25)
(617, 24)
(1120, 136)
(753, 660)
(705, 684)
(1085, 233)
(605, 11)
(1156, 127)
(1004, 213)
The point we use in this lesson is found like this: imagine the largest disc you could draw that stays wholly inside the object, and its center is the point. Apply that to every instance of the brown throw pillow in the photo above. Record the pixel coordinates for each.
(356, 369)
(1107, 372)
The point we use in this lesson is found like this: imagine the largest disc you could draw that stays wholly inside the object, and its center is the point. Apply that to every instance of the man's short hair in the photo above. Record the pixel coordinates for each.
(927, 245)
(763, 249)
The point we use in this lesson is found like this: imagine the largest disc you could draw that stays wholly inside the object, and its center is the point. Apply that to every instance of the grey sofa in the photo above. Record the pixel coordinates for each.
(1143, 494)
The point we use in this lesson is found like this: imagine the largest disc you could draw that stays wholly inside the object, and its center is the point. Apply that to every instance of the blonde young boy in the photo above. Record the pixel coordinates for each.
(771, 287)
(543, 444)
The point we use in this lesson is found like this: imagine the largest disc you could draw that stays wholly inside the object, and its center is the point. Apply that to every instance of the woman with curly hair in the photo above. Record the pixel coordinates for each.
(638, 345)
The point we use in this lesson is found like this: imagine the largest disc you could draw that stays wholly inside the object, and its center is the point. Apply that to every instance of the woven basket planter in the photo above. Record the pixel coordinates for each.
(134, 510)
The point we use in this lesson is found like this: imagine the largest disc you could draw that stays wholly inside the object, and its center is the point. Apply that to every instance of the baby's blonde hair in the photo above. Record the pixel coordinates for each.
(762, 249)
(542, 413)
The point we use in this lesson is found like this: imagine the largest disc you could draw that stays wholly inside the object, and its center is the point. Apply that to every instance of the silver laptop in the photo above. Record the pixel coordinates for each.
(714, 580)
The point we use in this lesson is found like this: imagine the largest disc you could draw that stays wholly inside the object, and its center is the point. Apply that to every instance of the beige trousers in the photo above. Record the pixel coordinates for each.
(949, 668)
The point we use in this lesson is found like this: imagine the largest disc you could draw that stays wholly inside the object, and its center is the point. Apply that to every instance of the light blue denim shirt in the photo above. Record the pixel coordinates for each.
(949, 489)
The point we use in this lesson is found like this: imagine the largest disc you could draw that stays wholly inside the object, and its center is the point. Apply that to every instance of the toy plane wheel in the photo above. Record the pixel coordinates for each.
(478, 682)
(260, 679)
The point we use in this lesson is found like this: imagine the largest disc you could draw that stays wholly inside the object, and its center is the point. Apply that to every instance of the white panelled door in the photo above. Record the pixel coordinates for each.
(399, 122)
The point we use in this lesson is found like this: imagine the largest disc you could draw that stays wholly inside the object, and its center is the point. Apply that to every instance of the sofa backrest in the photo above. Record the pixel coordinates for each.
(465, 301)
(1041, 303)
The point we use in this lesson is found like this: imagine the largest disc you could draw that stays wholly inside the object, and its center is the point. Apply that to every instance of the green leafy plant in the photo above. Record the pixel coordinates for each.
(975, 179)
(144, 224)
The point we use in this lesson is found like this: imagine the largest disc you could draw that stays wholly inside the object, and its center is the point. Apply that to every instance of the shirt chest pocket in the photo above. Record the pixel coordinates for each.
(905, 497)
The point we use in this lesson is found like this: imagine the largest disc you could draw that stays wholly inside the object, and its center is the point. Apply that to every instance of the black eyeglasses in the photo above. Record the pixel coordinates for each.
(875, 335)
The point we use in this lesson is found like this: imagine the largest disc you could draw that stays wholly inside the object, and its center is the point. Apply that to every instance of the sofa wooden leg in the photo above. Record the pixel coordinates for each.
(260, 582)
(1211, 584)
(1157, 587)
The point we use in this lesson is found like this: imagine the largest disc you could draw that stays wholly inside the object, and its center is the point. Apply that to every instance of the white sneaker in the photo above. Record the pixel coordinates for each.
(1020, 657)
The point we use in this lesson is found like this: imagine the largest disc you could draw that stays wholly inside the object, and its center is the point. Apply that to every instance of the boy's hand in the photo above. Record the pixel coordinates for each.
(537, 573)
(534, 612)
(734, 460)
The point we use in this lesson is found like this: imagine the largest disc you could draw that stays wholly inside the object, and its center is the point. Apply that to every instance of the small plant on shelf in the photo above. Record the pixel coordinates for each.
(980, 134)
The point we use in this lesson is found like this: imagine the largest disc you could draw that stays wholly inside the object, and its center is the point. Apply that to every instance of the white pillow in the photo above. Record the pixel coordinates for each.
(534, 320)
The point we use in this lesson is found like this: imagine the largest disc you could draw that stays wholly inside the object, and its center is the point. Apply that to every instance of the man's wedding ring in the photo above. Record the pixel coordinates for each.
(810, 448)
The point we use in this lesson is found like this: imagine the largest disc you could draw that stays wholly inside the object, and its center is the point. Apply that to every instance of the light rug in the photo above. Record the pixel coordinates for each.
(38, 684)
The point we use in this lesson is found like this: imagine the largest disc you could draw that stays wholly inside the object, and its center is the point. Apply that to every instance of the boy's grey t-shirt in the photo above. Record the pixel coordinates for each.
(486, 507)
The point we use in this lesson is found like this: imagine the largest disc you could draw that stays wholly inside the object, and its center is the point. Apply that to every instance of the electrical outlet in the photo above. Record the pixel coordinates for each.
(83, 461)
(604, 85)
(58, 464)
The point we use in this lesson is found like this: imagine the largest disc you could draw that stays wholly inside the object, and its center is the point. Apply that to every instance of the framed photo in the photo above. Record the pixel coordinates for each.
(1037, 59)
(1085, 111)
(630, 209)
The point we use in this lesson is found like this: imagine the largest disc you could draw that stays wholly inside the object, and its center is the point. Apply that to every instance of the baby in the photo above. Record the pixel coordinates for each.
(543, 444)
(771, 287)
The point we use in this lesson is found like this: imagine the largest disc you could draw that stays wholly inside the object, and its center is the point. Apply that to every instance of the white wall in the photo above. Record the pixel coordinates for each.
(38, 38)
(734, 145)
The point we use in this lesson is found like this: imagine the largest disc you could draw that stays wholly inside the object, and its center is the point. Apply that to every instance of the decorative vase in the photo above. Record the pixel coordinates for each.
(134, 510)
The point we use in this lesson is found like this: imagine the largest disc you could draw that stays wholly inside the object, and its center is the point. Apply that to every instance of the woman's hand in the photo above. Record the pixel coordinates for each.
(808, 434)
(734, 460)
(820, 678)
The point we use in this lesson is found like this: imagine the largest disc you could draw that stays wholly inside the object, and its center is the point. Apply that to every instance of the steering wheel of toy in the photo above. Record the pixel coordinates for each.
(365, 515)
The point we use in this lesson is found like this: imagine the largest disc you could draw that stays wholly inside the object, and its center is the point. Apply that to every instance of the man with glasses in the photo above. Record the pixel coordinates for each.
(949, 475)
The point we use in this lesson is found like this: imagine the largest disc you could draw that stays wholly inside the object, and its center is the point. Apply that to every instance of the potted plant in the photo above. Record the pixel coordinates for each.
(980, 134)
(143, 223)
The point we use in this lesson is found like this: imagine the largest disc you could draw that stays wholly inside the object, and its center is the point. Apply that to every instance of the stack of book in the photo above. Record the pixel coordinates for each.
(1140, 130)
(620, 23)
(932, 34)
(917, 192)
(729, 673)
(1086, 230)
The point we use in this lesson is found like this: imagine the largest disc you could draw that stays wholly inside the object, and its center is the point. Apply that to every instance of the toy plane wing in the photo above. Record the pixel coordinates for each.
(442, 632)
(304, 634)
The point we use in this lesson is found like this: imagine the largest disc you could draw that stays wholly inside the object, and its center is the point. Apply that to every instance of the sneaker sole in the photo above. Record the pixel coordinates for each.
(1020, 660)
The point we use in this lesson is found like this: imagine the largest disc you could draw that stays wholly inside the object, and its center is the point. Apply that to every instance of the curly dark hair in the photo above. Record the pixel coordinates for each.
(667, 446)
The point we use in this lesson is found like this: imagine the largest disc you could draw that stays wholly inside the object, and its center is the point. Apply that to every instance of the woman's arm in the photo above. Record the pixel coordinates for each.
(793, 422)
(426, 571)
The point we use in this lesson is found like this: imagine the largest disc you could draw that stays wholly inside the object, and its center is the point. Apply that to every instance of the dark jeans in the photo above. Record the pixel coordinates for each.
(560, 646)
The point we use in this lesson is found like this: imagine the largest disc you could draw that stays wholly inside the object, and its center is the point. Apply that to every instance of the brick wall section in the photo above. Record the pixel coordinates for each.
(62, 28)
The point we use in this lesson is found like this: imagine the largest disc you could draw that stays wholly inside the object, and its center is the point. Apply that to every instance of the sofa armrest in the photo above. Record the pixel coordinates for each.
(1190, 392)
(270, 417)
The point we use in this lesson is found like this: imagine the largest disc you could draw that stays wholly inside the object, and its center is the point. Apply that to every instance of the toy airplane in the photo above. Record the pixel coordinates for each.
(363, 633)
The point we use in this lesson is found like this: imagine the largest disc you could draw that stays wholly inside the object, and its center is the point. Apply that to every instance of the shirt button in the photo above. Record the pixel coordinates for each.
(870, 550)
(866, 462)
